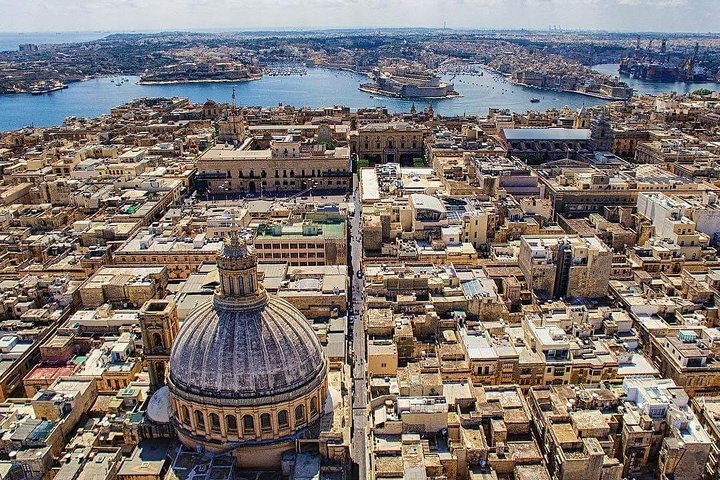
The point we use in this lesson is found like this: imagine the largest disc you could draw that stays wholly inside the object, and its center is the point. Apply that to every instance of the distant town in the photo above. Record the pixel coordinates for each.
(400, 63)
(216, 291)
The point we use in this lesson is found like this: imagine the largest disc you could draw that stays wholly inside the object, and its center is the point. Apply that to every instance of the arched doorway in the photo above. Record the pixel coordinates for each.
(252, 188)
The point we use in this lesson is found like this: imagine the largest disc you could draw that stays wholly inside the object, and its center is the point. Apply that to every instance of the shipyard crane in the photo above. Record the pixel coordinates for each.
(689, 65)
(663, 51)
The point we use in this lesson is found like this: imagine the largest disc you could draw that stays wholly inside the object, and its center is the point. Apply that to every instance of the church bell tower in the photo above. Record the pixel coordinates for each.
(159, 325)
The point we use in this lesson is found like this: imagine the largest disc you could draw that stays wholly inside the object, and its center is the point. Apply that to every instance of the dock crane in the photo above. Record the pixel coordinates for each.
(689, 65)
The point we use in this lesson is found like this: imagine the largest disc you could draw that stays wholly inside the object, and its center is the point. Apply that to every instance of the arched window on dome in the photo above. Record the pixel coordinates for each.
(199, 420)
(283, 421)
(215, 422)
(313, 407)
(299, 415)
(265, 422)
(241, 287)
(231, 424)
(185, 415)
(248, 425)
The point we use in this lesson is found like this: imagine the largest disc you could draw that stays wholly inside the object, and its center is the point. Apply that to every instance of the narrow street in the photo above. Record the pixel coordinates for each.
(359, 398)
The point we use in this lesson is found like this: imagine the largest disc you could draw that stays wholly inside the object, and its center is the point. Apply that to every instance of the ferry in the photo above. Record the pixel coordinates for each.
(534, 100)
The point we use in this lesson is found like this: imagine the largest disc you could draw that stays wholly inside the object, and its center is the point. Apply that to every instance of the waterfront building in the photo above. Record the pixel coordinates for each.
(408, 82)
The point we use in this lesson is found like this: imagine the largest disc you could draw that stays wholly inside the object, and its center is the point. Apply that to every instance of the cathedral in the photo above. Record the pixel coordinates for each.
(247, 375)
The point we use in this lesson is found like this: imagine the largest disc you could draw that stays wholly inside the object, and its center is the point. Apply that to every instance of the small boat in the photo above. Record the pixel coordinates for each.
(534, 100)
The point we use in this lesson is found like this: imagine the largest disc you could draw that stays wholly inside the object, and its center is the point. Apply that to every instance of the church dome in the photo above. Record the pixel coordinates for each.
(245, 346)
(247, 372)
(239, 354)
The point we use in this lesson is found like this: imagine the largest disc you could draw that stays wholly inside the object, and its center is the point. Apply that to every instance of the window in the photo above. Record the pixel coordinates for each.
(313, 407)
(299, 415)
(248, 425)
(214, 422)
(265, 423)
(185, 415)
(283, 419)
(231, 424)
(199, 420)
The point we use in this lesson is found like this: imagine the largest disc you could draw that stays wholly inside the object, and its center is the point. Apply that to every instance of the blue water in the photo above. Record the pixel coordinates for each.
(11, 41)
(654, 88)
(320, 87)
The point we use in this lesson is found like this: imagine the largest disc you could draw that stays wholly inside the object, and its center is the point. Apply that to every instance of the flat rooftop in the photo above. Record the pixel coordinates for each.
(550, 134)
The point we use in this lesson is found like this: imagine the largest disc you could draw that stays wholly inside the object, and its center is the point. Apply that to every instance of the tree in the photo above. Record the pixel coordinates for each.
(702, 92)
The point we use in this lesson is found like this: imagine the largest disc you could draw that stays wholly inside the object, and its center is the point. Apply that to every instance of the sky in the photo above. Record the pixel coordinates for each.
(156, 15)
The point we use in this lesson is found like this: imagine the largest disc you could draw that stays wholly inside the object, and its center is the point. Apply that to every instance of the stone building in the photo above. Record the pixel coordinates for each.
(560, 266)
(389, 142)
(283, 164)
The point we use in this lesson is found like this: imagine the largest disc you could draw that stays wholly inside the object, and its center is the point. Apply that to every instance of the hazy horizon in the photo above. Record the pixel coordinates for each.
(43, 16)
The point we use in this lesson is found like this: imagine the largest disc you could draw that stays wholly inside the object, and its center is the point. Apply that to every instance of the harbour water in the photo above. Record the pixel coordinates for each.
(653, 88)
(319, 87)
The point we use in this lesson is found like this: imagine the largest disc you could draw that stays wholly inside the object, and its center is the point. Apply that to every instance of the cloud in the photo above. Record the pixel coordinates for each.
(123, 15)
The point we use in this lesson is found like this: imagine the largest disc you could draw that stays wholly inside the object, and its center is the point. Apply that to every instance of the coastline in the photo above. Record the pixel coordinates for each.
(209, 80)
(577, 92)
(508, 78)
(383, 93)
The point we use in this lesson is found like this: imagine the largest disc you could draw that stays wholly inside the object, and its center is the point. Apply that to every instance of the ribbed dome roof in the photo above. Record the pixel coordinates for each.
(246, 354)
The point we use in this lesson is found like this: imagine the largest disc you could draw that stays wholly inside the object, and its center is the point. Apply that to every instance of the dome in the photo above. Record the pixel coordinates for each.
(245, 347)
(158, 409)
(247, 372)
(237, 354)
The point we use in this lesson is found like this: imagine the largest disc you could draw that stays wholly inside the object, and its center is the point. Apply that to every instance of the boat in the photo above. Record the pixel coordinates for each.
(534, 100)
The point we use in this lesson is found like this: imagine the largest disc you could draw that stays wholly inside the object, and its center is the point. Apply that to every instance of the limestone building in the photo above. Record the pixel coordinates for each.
(561, 266)
(282, 164)
(389, 142)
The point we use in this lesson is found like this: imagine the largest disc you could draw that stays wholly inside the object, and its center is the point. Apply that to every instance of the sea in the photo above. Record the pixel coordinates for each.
(317, 88)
